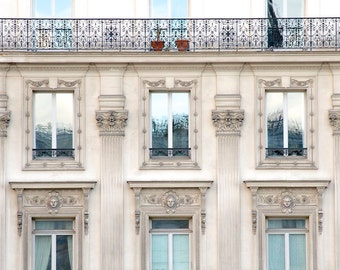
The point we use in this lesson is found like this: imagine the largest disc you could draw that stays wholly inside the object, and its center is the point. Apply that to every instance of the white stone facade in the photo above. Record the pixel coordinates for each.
(227, 187)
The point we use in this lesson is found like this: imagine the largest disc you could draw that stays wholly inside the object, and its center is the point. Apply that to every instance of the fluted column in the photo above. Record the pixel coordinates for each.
(111, 125)
(228, 124)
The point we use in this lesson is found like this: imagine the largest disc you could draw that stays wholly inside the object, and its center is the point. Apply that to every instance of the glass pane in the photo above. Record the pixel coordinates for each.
(64, 252)
(63, 8)
(170, 224)
(160, 252)
(64, 120)
(43, 8)
(43, 120)
(180, 115)
(274, 116)
(42, 259)
(286, 224)
(296, 113)
(159, 120)
(275, 8)
(179, 9)
(297, 251)
(54, 225)
(181, 252)
(276, 252)
(294, 8)
(159, 9)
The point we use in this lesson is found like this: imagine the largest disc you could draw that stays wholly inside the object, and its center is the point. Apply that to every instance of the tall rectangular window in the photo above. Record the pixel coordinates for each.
(285, 123)
(169, 8)
(53, 244)
(286, 244)
(53, 117)
(170, 123)
(170, 245)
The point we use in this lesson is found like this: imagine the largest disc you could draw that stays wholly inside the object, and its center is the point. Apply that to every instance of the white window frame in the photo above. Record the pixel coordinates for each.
(57, 163)
(287, 84)
(171, 162)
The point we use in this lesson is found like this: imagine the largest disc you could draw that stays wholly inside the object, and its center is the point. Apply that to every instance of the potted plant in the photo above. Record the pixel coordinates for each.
(157, 44)
(182, 43)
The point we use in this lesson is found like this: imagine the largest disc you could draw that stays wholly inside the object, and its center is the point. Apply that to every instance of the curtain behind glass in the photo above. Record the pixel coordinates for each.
(276, 252)
(297, 251)
(42, 252)
(160, 252)
(181, 252)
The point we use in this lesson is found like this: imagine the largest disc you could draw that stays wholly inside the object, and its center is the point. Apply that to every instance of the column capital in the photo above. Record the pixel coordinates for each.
(5, 118)
(227, 122)
(334, 120)
(111, 123)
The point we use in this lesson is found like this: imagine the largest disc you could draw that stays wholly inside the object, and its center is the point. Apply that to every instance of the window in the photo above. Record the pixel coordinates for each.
(170, 124)
(286, 244)
(286, 124)
(170, 244)
(53, 124)
(169, 8)
(52, 8)
(53, 244)
(285, 121)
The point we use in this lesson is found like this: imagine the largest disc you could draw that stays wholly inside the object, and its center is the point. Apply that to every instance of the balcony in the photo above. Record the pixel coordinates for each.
(135, 35)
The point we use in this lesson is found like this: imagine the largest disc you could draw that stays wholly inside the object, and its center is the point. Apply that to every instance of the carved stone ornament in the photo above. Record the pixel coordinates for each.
(228, 120)
(4, 123)
(276, 82)
(68, 84)
(160, 83)
(54, 202)
(112, 122)
(334, 119)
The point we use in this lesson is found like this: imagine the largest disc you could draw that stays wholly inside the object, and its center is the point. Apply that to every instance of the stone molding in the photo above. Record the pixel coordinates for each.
(5, 118)
(228, 122)
(112, 122)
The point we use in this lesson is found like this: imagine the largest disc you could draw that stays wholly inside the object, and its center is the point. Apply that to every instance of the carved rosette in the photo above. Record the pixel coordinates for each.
(4, 123)
(334, 120)
(111, 122)
(228, 121)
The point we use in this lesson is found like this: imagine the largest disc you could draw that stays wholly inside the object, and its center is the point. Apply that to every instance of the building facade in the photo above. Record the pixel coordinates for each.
(115, 154)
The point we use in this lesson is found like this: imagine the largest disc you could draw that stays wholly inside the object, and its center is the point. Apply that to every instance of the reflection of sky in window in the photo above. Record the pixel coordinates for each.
(53, 8)
(159, 104)
(169, 9)
(288, 8)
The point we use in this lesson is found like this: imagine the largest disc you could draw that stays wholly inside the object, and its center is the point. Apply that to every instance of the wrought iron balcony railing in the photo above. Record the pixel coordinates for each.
(118, 35)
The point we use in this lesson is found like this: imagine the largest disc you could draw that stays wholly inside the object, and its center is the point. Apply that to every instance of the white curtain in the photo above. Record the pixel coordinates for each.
(42, 251)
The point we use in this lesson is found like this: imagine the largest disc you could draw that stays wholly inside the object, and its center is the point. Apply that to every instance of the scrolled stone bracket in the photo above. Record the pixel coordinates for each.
(228, 122)
(5, 118)
(111, 123)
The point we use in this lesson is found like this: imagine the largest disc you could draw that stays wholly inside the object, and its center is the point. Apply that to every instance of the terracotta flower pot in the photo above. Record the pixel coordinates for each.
(182, 44)
(157, 45)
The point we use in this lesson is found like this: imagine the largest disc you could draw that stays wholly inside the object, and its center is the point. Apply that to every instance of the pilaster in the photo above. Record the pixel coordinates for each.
(228, 124)
(111, 125)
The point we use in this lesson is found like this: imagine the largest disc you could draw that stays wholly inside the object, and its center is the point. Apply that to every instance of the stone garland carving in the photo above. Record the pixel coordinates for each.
(272, 83)
(37, 83)
(180, 83)
(228, 120)
(334, 119)
(306, 83)
(68, 84)
(160, 83)
(4, 123)
(112, 122)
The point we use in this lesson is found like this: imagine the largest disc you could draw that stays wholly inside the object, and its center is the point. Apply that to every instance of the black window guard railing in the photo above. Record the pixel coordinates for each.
(52, 153)
(170, 152)
(286, 152)
(119, 35)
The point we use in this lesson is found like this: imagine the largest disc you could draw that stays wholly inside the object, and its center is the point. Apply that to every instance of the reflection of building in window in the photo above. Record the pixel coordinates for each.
(285, 123)
(170, 124)
(53, 124)
(170, 244)
(286, 243)
(53, 244)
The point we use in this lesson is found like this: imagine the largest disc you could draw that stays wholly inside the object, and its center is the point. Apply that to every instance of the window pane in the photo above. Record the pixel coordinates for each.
(170, 224)
(275, 8)
(297, 251)
(276, 252)
(43, 8)
(159, 9)
(53, 225)
(43, 245)
(43, 120)
(179, 9)
(64, 252)
(180, 115)
(274, 113)
(63, 8)
(181, 252)
(159, 119)
(64, 120)
(294, 8)
(296, 112)
(159, 252)
(286, 224)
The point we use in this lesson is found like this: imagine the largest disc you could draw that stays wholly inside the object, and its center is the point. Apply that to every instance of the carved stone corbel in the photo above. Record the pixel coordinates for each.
(254, 211)
(112, 122)
(228, 121)
(20, 192)
(334, 120)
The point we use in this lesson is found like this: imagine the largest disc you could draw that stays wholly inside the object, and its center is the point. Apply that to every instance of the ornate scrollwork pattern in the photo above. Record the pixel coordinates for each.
(112, 122)
(272, 83)
(159, 83)
(4, 123)
(68, 84)
(228, 120)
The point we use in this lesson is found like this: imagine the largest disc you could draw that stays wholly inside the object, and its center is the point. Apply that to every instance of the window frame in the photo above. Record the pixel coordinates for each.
(170, 162)
(54, 163)
(286, 84)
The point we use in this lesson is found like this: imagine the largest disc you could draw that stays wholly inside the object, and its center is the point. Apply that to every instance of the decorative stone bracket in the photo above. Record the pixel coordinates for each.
(5, 118)
(286, 197)
(227, 121)
(111, 122)
(170, 197)
(52, 198)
